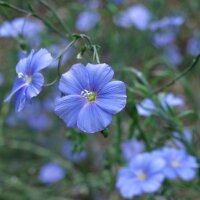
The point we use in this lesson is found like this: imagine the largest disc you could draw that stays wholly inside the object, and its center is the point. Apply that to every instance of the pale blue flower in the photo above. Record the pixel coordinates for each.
(142, 175)
(137, 15)
(131, 148)
(91, 97)
(163, 39)
(26, 27)
(193, 46)
(29, 82)
(179, 164)
(87, 20)
(173, 55)
(51, 173)
(147, 106)
(167, 22)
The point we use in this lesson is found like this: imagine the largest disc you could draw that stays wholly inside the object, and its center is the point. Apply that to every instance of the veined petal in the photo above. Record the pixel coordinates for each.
(19, 83)
(112, 97)
(36, 85)
(68, 109)
(99, 75)
(20, 100)
(92, 118)
(75, 80)
(39, 61)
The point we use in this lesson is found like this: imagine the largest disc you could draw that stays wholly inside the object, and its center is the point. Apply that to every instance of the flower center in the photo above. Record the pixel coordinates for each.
(90, 96)
(175, 163)
(27, 79)
(141, 175)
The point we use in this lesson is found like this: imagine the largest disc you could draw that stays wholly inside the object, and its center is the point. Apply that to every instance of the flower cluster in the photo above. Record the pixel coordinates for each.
(146, 172)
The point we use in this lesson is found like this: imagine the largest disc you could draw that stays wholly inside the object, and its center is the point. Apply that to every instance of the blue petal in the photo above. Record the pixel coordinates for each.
(75, 80)
(36, 85)
(20, 100)
(170, 173)
(92, 118)
(153, 183)
(19, 83)
(186, 174)
(39, 61)
(99, 75)
(112, 97)
(68, 109)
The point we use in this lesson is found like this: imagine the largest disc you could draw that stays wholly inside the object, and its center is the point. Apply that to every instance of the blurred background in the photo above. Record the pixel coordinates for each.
(42, 159)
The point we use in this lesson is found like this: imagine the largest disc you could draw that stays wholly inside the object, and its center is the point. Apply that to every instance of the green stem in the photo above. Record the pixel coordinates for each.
(179, 76)
(55, 14)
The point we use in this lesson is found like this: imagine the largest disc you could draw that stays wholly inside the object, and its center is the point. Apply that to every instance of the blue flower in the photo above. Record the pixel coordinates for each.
(193, 46)
(163, 39)
(27, 27)
(173, 55)
(167, 22)
(91, 99)
(87, 20)
(142, 175)
(51, 173)
(137, 15)
(131, 148)
(29, 82)
(147, 106)
(68, 152)
(178, 164)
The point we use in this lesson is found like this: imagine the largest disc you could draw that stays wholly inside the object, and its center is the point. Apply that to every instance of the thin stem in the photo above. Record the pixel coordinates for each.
(2, 3)
(60, 58)
(55, 14)
(179, 76)
(35, 149)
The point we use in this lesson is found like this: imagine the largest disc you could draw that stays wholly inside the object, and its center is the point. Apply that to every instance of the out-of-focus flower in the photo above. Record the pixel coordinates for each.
(173, 55)
(147, 106)
(178, 164)
(131, 148)
(29, 82)
(56, 49)
(175, 21)
(51, 173)
(179, 139)
(68, 151)
(163, 39)
(26, 27)
(193, 46)
(87, 20)
(34, 116)
(137, 15)
(142, 175)
(91, 97)
(1, 79)
(170, 100)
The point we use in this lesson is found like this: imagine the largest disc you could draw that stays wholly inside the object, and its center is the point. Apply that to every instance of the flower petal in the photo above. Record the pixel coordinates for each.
(112, 97)
(92, 118)
(75, 80)
(39, 61)
(36, 85)
(68, 109)
(20, 100)
(153, 183)
(19, 83)
(186, 174)
(99, 75)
